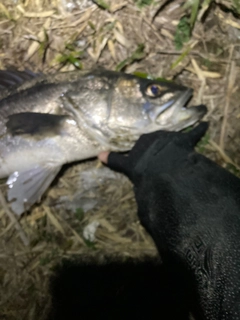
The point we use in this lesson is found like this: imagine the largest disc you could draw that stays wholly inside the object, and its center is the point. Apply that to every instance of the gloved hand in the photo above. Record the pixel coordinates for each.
(191, 208)
(147, 148)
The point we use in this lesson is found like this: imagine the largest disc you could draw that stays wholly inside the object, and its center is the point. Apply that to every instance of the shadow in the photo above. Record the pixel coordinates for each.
(116, 290)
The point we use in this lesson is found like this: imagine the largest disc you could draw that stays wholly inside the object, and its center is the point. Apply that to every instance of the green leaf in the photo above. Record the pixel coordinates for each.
(206, 3)
(233, 169)
(72, 58)
(5, 13)
(203, 142)
(142, 75)
(138, 54)
(188, 129)
(236, 6)
(91, 25)
(143, 3)
(43, 45)
(102, 4)
(49, 257)
(70, 46)
(194, 5)
(122, 64)
(194, 12)
(163, 79)
(179, 59)
(206, 62)
(90, 244)
(79, 214)
(183, 33)
(75, 62)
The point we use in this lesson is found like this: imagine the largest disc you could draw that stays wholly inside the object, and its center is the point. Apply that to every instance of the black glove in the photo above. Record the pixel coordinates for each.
(148, 147)
(191, 208)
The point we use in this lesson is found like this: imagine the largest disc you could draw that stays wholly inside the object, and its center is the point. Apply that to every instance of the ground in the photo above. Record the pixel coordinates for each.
(142, 36)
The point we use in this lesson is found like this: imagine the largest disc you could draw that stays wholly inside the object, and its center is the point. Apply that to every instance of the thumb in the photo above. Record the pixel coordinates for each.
(116, 162)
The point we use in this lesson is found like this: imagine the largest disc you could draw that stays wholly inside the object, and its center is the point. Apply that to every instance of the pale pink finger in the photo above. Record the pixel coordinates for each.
(103, 156)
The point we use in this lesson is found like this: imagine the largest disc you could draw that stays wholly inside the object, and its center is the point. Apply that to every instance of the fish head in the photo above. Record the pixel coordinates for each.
(141, 106)
(119, 107)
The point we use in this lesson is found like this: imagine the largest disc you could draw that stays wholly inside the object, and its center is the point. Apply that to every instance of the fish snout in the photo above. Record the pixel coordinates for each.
(177, 101)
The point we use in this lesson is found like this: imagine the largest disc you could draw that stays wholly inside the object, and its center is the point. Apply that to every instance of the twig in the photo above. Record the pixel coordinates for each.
(154, 29)
(195, 53)
(54, 220)
(231, 81)
(77, 236)
(201, 77)
(223, 154)
(13, 219)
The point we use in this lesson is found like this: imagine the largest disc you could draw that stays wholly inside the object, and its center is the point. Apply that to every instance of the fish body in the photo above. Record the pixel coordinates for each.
(47, 121)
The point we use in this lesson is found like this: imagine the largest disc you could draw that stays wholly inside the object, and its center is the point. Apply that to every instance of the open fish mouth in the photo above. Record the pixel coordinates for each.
(177, 103)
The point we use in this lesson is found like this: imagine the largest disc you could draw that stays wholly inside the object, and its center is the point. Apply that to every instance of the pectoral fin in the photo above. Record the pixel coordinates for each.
(34, 123)
(27, 187)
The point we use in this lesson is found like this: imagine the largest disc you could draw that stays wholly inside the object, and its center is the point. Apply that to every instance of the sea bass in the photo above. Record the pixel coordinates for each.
(47, 121)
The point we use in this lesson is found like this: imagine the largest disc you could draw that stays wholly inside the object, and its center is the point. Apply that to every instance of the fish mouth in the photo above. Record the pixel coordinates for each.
(189, 116)
(175, 104)
(201, 109)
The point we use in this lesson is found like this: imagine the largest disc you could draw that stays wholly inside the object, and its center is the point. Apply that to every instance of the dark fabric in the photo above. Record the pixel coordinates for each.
(191, 208)
(115, 290)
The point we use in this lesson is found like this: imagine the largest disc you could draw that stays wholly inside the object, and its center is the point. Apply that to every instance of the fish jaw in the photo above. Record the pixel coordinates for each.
(171, 116)
(177, 116)
(187, 117)
(170, 103)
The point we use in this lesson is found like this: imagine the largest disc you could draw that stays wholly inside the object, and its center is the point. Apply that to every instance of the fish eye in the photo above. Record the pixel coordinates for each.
(154, 90)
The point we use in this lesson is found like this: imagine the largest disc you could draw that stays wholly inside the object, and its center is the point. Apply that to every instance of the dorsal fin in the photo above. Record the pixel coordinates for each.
(12, 78)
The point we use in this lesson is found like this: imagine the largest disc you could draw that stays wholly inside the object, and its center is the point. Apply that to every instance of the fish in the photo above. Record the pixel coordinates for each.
(47, 121)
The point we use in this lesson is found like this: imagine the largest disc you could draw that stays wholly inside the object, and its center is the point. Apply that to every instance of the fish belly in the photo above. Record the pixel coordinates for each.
(16, 154)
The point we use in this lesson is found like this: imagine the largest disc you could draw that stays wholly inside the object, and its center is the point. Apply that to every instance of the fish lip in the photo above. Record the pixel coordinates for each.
(184, 98)
(201, 109)
(198, 112)
(178, 103)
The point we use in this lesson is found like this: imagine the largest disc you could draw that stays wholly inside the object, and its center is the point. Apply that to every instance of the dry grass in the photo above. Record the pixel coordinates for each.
(39, 35)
